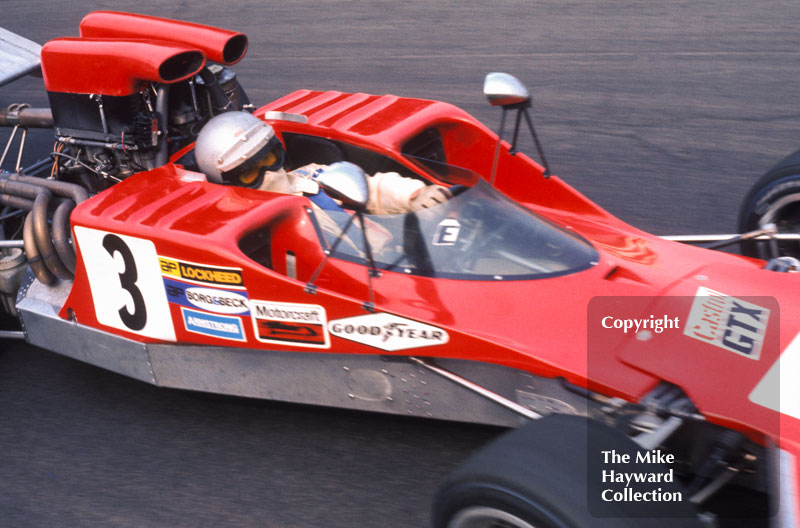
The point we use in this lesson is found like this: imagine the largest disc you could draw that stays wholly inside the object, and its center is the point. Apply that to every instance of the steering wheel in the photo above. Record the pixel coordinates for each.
(473, 226)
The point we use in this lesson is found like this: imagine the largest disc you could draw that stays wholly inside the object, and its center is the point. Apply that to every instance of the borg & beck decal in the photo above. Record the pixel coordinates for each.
(290, 323)
(388, 332)
(210, 299)
(727, 322)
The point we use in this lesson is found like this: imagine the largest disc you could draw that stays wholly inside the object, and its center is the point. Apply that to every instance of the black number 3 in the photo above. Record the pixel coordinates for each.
(138, 318)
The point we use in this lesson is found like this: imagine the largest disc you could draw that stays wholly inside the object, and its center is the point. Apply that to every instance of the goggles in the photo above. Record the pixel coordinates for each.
(249, 174)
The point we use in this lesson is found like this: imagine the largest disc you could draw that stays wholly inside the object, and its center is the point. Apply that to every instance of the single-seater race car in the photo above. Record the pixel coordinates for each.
(646, 382)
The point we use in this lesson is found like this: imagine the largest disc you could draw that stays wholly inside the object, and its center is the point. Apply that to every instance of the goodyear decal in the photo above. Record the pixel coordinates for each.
(388, 332)
(727, 322)
(290, 323)
(213, 325)
(210, 299)
(201, 273)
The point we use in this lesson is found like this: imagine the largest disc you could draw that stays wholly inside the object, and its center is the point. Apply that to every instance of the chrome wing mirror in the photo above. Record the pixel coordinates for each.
(346, 182)
(506, 91)
(502, 89)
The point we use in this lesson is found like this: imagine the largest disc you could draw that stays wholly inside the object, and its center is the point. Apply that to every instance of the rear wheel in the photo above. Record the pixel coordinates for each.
(486, 517)
(547, 475)
(774, 199)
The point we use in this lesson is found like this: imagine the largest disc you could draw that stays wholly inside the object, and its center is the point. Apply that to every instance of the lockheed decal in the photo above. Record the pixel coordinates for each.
(201, 273)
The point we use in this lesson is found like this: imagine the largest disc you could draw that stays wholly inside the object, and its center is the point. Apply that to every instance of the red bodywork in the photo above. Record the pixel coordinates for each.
(539, 326)
(200, 222)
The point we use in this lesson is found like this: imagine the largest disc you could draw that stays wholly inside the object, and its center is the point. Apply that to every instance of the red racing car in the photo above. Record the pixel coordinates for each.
(647, 382)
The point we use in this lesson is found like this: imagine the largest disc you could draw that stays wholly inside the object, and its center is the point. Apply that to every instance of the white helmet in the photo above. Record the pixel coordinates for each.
(233, 143)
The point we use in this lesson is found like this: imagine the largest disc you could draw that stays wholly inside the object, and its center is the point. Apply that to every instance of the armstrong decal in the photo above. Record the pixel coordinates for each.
(211, 299)
(221, 326)
(388, 332)
(727, 322)
(290, 323)
(202, 273)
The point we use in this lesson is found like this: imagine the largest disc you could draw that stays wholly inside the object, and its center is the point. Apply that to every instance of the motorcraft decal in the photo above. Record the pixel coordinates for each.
(214, 325)
(388, 332)
(290, 323)
(209, 299)
(202, 273)
(727, 322)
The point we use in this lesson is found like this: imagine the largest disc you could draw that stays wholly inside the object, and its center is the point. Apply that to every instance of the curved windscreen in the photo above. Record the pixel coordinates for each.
(477, 234)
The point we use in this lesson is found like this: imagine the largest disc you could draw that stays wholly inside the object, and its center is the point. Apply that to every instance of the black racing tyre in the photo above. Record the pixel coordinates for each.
(538, 476)
(774, 198)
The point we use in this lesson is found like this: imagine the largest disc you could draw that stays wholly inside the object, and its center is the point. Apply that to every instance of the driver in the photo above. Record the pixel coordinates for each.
(237, 148)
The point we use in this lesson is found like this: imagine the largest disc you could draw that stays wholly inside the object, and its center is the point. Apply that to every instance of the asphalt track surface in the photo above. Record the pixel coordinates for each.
(662, 113)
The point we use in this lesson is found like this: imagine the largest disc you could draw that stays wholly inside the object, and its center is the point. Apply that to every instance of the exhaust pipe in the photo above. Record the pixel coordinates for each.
(48, 250)
(26, 117)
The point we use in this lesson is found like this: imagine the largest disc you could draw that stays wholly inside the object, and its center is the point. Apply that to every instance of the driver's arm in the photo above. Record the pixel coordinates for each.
(390, 193)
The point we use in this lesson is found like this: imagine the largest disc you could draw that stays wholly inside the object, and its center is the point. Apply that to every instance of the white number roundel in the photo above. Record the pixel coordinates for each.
(125, 279)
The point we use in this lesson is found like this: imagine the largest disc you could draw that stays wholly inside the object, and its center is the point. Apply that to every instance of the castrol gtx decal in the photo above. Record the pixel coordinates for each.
(388, 332)
(727, 322)
(290, 323)
(215, 276)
